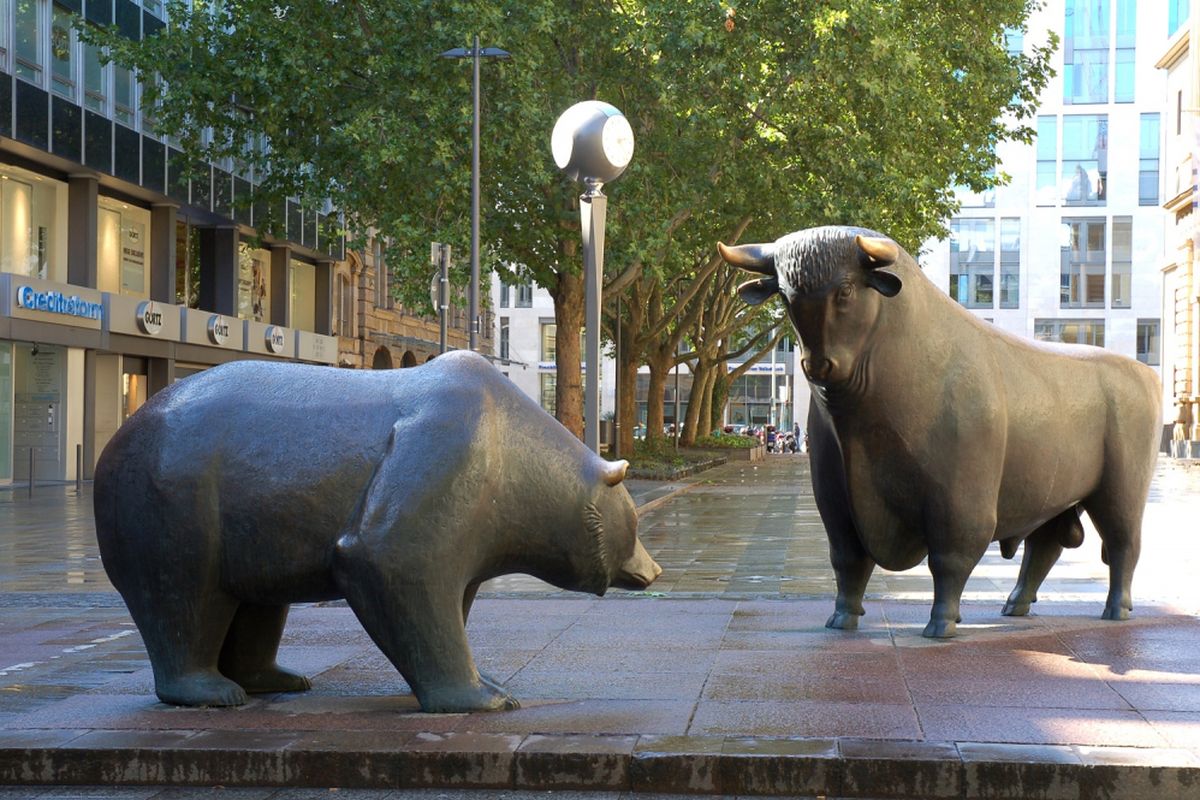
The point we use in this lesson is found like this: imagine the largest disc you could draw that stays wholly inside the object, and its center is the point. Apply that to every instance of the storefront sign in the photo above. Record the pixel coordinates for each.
(275, 339)
(58, 303)
(150, 318)
(218, 329)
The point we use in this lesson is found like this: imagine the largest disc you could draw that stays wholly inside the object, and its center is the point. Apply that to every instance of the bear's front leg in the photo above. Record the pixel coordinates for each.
(416, 619)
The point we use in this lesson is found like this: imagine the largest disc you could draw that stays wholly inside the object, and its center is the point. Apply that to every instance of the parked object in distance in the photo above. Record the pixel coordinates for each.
(254, 485)
(933, 433)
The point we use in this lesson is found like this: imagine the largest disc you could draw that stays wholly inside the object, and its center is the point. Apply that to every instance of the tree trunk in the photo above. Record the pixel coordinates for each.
(569, 320)
(659, 368)
(704, 424)
(719, 395)
(688, 437)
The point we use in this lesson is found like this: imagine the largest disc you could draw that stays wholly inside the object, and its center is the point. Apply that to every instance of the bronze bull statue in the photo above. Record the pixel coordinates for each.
(934, 433)
(251, 486)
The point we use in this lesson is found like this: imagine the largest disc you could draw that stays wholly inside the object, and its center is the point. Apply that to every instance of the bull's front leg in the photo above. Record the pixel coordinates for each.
(852, 569)
(951, 561)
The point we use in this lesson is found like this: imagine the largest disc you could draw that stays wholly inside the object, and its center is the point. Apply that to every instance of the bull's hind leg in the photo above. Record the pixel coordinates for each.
(248, 654)
(1118, 520)
(1042, 549)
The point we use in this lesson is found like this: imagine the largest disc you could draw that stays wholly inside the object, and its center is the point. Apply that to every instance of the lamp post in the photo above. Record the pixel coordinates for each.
(475, 54)
(592, 142)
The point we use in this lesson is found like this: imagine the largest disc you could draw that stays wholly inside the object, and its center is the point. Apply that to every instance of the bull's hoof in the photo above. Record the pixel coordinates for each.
(275, 679)
(485, 697)
(1117, 612)
(940, 629)
(843, 621)
(200, 689)
(1015, 608)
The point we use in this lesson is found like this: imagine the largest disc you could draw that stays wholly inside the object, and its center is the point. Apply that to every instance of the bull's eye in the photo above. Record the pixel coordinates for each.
(845, 292)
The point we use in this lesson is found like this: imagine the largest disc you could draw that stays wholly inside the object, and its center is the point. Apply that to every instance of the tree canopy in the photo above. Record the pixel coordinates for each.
(751, 119)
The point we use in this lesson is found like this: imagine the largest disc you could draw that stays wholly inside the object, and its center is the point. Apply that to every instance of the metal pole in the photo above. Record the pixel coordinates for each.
(31, 470)
(593, 207)
(473, 291)
(443, 296)
(616, 448)
(78, 469)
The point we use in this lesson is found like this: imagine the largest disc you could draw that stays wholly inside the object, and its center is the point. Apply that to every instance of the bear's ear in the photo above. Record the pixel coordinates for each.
(613, 472)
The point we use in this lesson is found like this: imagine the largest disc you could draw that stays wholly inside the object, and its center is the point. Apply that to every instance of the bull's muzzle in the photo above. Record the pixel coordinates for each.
(817, 369)
(639, 571)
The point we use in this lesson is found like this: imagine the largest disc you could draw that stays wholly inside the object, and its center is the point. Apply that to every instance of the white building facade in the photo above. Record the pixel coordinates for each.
(1071, 249)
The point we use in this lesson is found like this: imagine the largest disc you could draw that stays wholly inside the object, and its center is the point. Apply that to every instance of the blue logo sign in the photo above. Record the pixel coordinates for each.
(58, 303)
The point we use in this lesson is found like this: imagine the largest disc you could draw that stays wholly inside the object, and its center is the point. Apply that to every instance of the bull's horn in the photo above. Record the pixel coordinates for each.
(758, 258)
(882, 252)
(613, 472)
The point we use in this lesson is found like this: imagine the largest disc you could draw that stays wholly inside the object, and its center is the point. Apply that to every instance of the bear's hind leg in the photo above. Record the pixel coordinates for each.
(183, 644)
(248, 654)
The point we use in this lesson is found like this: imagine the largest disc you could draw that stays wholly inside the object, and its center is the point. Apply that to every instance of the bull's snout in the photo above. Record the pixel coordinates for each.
(639, 571)
(817, 369)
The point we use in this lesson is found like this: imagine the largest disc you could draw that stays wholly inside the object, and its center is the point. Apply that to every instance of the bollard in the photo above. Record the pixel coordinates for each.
(78, 470)
(31, 470)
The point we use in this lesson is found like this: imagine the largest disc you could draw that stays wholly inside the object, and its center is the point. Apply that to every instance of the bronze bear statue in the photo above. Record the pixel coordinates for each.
(238, 491)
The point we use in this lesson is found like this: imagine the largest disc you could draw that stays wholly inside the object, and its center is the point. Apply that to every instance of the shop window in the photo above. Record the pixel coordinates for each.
(31, 239)
(122, 244)
(304, 293)
(1149, 344)
(1083, 263)
(549, 388)
(6, 410)
(187, 265)
(254, 268)
(548, 350)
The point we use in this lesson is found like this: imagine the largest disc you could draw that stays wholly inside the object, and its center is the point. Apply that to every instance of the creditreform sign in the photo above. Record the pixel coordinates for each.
(38, 300)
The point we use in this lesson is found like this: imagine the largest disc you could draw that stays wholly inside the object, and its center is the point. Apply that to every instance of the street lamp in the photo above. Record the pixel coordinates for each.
(475, 54)
(592, 142)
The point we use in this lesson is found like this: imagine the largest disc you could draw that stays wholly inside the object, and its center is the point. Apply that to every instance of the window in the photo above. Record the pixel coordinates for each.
(1047, 161)
(504, 339)
(973, 262)
(122, 246)
(1084, 175)
(1010, 262)
(95, 80)
(972, 199)
(549, 386)
(1149, 344)
(548, 351)
(1177, 13)
(1122, 261)
(383, 296)
(1126, 35)
(1085, 51)
(1148, 162)
(504, 293)
(1070, 331)
(345, 304)
(124, 95)
(524, 296)
(187, 265)
(29, 30)
(62, 49)
(304, 295)
(1083, 258)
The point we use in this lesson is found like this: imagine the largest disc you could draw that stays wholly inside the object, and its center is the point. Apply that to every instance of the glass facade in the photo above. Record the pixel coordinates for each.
(1010, 262)
(1178, 12)
(1148, 160)
(1047, 160)
(1125, 50)
(548, 348)
(1122, 262)
(1149, 343)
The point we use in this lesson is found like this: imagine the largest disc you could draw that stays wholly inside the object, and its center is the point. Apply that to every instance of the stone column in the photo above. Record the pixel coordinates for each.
(219, 268)
(162, 252)
(82, 196)
(323, 298)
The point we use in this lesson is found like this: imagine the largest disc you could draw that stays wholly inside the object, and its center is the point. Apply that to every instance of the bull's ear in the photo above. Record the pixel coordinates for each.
(886, 283)
(755, 292)
(877, 251)
(758, 258)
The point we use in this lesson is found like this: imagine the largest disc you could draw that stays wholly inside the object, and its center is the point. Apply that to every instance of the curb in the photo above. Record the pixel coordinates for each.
(844, 768)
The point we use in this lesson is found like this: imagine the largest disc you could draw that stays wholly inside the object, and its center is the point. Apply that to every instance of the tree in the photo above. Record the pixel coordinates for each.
(774, 116)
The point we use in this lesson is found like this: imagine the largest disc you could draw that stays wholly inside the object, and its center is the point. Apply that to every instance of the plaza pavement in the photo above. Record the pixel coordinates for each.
(720, 679)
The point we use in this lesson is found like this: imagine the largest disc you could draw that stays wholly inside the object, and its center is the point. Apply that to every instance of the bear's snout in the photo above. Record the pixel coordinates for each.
(638, 571)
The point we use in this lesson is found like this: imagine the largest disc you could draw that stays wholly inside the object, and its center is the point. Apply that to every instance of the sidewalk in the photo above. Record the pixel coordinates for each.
(720, 679)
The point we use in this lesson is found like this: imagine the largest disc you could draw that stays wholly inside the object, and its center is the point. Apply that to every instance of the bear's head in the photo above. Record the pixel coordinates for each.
(612, 554)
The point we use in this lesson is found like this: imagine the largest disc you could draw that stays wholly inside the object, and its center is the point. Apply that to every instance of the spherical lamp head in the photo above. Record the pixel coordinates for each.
(592, 140)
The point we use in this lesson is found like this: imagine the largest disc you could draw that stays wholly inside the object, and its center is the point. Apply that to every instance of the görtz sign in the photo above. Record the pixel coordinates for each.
(138, 316)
